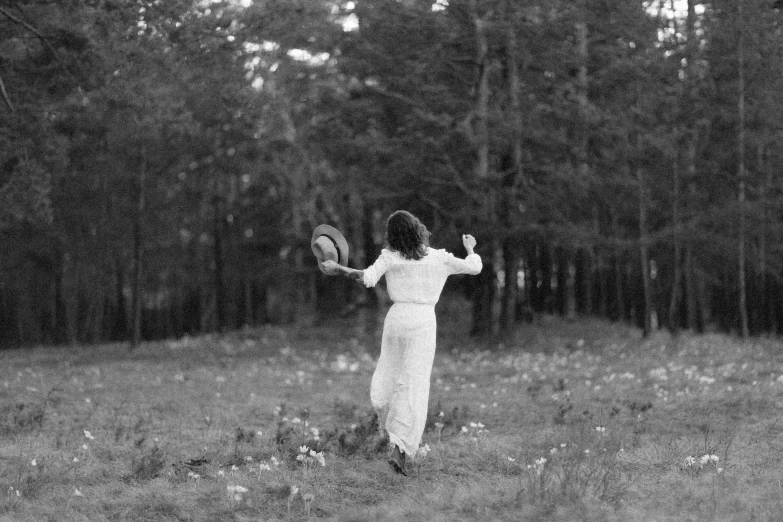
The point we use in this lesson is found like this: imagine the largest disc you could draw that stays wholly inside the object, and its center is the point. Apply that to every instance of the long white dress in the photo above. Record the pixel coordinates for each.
(400, 386)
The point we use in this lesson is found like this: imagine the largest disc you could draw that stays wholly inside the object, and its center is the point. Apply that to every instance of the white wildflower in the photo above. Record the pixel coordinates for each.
(423, 451)
(88, 435)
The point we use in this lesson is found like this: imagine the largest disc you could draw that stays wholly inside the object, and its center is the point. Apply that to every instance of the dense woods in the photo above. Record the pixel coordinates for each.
(163, 163)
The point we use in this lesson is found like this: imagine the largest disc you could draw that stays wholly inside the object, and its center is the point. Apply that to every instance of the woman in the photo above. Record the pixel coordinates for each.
(415, 275)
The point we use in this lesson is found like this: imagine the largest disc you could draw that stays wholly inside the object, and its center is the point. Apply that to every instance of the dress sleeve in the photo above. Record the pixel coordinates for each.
(372, 274)
(470, 265)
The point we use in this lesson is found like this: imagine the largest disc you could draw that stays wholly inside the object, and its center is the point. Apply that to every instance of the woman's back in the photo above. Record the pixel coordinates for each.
(418, 281)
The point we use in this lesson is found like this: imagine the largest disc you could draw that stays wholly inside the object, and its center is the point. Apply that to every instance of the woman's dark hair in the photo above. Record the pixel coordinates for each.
(407, 235)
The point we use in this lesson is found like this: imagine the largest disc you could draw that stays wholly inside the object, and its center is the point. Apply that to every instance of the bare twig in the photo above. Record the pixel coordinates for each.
(41, 37)
(437, 207)
(5, 95)
(457, 179)
(418, 108)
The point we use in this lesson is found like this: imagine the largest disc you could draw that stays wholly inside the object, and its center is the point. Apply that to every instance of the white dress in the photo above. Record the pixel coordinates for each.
(400, 386)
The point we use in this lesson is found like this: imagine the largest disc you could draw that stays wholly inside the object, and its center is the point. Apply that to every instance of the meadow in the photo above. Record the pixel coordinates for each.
(581, 420)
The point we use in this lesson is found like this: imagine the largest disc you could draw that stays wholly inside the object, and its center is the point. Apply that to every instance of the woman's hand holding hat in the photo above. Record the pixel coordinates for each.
(328, 244)
(331, 267)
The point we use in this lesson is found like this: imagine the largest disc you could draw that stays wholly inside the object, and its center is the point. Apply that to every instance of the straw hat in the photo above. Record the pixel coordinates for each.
(328, 243)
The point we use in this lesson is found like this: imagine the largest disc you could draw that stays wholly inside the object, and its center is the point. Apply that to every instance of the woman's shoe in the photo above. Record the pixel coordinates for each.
(397, 461)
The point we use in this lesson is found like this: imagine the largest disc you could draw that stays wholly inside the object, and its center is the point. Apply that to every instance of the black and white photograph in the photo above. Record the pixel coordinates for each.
(391, 260)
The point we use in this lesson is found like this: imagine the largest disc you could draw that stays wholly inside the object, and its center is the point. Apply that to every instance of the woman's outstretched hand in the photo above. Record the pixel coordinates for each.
(331, 267)
(469, 242)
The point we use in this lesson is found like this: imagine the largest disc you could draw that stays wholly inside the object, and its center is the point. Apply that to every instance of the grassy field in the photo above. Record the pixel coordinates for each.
(566, 421)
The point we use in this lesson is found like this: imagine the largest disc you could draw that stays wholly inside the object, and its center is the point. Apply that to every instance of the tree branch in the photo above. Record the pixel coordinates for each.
(5, 95)
(443, 120)
(457, 179)
(41, 37)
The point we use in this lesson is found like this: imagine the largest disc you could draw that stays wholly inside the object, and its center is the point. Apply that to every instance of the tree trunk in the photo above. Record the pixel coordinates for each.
(247, 295)
(482, 96)
(676, 289)
(370, 253)
(768, 303)
(120, 323)
(138, 251)
(217, 258)
(644, 252)
(618, 271)
(741, 274)
(512, 59)
(546, 266)
(484, 283)
(63, 327)
(510, 268)
(583, 168)
(483, 296)
(762, 323)
(603, 286)
(511, 250)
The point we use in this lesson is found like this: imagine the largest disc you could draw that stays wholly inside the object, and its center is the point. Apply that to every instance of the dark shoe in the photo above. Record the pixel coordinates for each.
(397, 461)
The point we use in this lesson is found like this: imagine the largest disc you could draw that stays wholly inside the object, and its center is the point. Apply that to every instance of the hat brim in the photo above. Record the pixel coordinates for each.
(336, 237)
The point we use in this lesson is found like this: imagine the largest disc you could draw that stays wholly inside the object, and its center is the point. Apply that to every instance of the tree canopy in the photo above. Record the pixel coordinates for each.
(163, 163)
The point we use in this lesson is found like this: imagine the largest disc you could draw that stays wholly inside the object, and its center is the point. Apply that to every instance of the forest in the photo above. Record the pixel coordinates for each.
(163, 163)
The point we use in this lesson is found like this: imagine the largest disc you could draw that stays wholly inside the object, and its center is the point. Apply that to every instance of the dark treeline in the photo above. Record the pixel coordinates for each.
(162, 164)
